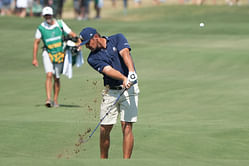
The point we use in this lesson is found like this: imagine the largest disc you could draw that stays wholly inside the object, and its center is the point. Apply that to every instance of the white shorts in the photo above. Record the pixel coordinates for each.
(56, 68)
(22, 3)
(127, 105)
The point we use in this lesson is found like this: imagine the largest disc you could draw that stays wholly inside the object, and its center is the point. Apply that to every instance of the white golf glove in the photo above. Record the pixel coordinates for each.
(132, 77)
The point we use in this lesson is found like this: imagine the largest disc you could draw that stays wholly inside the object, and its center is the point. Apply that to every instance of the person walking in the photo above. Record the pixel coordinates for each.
(98, 5)
(51, 32)
(21, 6)
(111, 57)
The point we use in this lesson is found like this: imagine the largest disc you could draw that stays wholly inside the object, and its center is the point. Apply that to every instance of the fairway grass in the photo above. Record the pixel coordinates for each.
(193, 105)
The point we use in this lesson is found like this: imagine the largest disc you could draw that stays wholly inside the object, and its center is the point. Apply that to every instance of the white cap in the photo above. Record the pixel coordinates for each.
(47, 11)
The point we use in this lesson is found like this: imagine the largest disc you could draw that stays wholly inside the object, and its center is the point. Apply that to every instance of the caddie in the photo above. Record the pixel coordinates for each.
(111, 57)
(51, 32)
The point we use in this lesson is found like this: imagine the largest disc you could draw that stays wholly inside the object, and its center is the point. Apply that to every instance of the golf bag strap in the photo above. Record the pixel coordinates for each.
(61, 27)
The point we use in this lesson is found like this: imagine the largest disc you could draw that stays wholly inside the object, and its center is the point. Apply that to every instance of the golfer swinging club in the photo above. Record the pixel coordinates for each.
(51, 32)
(111, 57)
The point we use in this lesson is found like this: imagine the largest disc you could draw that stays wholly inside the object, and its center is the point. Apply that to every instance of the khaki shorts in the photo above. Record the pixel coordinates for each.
(127, 106)
(56, 68)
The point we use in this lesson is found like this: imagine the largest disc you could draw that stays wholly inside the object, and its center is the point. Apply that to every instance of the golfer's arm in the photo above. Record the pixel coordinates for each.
(72, 34)
(35, 48)
(115, 74)
(125, 54)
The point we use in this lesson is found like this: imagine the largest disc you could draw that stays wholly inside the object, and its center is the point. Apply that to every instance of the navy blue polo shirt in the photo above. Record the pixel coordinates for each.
(110, 57)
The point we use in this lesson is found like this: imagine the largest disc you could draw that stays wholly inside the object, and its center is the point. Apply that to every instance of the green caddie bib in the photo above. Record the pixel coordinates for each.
(53, 42)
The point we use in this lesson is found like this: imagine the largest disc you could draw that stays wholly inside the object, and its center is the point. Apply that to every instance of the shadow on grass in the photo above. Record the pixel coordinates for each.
(61, 105)
(69, 106)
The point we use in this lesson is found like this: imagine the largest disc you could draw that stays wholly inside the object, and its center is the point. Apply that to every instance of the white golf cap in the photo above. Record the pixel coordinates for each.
(47, 11)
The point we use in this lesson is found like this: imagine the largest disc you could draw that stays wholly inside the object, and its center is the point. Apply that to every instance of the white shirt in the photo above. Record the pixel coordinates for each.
(38, 34)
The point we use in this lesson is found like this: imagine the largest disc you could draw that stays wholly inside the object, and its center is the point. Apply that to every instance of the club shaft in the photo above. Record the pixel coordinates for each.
(106, 114)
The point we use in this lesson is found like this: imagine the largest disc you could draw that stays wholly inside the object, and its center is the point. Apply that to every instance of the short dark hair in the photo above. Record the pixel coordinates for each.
(98, 34)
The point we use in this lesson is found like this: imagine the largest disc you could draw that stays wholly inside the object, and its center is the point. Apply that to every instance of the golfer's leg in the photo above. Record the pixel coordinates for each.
(56, 89)
(128, 139)
(48, 85)
(105, 140)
